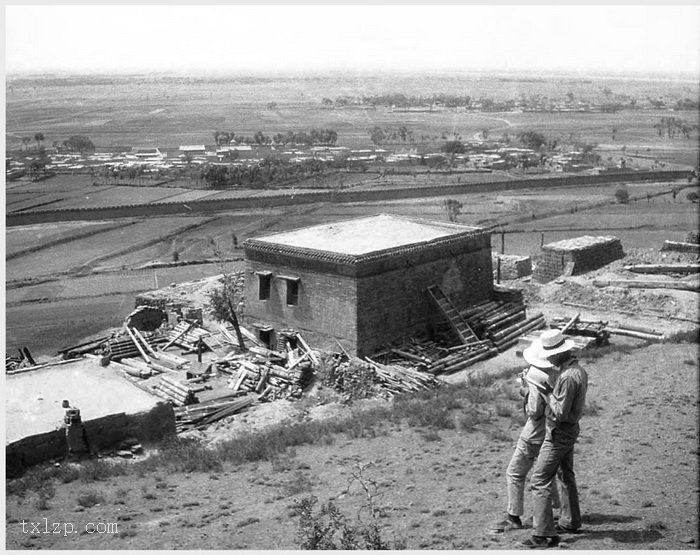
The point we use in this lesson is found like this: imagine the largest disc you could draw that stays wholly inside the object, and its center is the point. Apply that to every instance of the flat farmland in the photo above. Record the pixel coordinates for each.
(195, 244)
(86, 251)
(97, 196)
(36, 237)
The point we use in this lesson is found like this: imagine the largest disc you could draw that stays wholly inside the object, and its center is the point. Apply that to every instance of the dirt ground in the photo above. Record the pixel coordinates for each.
(636, 462)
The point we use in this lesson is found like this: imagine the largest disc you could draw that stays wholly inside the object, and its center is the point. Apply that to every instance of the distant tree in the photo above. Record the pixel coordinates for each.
(453, 208)
(25, 142)
(531, 139)
(81, 143)
(37, 167)
(454, 147)
(38, 137)
(570, 96)
(693, 197)
(376, 135)
(485, 133)
(622, 195)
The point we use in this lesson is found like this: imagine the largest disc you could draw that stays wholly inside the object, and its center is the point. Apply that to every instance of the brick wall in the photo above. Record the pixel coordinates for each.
(555, 261)
(395, 303)
(327, 304)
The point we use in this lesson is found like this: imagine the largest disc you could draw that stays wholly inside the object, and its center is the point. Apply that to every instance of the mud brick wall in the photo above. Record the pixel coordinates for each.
(101, 433)
(512, 266)
(394, 304)
(326, 308)
(576, 256)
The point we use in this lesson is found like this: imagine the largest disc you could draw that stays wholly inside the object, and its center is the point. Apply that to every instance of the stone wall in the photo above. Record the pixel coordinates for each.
(576, 256)
(512, 266)
(100, 434)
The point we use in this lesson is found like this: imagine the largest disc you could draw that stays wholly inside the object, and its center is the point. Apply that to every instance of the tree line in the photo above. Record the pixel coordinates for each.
(313, 137)
(268, 171)
(674, 126)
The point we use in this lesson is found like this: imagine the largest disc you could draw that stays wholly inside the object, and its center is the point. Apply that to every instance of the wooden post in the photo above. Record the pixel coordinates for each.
(498, 271)
(542, 240)
(503, 242)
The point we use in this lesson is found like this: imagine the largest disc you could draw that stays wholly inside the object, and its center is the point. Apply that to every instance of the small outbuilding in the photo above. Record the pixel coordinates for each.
(576, 256)
(363, 282)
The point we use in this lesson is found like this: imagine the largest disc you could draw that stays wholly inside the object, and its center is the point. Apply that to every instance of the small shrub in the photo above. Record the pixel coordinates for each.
(184, 455)
(471, 418)
(622, 195)
(504, 409)
(89, 498)
(98, 470)
(591, 408)
(497, 434)
(42, 501)
(299, 483)
(431, 435)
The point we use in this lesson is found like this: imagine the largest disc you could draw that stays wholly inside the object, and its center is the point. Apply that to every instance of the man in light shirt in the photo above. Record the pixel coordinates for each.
(565, 403)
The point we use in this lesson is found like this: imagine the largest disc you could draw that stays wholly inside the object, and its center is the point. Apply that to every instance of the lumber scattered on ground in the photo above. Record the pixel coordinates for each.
(664, 268)
(630, 283)
(679, 246)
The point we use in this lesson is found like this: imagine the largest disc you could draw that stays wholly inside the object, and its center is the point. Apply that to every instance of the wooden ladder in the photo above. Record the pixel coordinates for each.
(459, 325)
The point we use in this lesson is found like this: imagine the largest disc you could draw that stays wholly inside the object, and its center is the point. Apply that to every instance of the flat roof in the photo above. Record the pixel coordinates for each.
(582, 242)
(33, 399)
(367, 235)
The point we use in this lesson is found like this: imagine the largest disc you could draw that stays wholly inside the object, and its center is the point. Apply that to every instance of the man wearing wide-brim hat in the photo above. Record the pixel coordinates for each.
(535, 381)
(565, 402)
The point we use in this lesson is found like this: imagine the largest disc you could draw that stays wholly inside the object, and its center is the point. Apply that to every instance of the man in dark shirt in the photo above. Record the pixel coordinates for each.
(564, 409)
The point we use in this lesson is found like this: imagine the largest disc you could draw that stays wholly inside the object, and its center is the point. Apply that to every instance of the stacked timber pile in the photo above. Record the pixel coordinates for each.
(201, 415)
(576, 256)
(176, 391)
(462, 357)
(359, 379)
(271, 374)
(678, 246)
(502, 321)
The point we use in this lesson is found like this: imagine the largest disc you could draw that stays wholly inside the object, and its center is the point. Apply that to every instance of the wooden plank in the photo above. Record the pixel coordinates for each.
(138, 346)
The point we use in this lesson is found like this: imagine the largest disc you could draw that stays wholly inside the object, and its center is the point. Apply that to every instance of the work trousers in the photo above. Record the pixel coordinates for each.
(556, 458)
(520, 464)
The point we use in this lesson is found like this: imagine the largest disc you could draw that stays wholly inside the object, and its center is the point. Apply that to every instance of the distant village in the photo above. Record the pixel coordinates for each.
(263, 160)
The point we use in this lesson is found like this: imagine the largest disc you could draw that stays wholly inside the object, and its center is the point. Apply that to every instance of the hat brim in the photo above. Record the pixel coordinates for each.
(538, 356)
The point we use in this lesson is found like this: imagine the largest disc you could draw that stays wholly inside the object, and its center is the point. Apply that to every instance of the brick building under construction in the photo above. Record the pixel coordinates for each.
(363, 282)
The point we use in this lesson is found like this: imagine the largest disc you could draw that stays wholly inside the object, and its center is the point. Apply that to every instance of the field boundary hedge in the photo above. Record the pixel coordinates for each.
(290, 199)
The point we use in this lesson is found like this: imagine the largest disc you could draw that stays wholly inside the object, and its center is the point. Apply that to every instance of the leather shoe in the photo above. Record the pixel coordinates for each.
(540, 542)
(567, 530)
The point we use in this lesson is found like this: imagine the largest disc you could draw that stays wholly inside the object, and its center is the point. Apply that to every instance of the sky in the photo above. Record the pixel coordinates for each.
(591, 39)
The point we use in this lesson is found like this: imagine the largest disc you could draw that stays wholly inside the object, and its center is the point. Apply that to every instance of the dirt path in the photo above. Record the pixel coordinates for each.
(637, 466)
